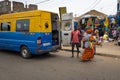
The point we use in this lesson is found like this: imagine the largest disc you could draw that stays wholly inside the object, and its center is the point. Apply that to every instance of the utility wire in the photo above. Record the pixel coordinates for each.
(107, 5)
(90, 6)
(96, 4)
(93, 5)
(41, 2)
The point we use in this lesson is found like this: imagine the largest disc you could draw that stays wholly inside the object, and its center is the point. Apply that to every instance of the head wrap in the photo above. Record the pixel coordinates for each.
(89, 30)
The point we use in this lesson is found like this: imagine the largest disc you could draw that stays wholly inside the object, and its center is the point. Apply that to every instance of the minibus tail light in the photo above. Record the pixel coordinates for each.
(39, 41)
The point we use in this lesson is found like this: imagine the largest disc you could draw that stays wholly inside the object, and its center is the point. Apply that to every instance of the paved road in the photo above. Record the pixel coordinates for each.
(57, 66)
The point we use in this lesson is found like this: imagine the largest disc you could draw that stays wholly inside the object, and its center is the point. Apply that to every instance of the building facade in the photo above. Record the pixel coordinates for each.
(7, 6)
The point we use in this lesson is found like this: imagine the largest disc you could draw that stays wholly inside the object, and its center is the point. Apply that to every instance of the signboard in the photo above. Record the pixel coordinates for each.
(67, 16)
(62, 10)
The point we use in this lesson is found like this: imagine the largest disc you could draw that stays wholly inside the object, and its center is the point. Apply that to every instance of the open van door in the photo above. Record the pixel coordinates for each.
(56, 40)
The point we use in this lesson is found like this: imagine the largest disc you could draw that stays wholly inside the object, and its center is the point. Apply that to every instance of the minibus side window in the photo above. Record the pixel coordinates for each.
(5, 26)
(22, 25)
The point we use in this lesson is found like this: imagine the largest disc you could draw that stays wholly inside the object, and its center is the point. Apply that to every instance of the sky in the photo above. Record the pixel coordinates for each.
(77, 7)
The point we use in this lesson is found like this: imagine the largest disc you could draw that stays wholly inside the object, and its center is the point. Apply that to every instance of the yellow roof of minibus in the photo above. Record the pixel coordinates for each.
(22, 14)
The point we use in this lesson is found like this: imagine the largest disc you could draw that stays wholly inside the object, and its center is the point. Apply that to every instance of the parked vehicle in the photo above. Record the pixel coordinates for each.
(30, 32)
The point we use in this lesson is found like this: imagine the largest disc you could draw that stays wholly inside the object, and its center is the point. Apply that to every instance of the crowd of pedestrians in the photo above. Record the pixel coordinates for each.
(92, 32)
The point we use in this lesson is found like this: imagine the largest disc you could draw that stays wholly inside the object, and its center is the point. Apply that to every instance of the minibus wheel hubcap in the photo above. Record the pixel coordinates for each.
(24, 52)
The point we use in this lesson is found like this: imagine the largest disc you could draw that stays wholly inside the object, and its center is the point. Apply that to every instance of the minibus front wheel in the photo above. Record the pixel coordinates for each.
(25, 52)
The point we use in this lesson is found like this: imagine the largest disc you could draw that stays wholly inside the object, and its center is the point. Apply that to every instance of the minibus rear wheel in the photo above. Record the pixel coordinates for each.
(25, 52)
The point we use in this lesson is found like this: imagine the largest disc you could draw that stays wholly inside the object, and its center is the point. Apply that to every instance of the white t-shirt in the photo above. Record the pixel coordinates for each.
(112, 20)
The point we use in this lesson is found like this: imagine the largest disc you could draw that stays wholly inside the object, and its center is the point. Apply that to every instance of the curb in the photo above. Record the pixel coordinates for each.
(108, 55)
(100, 54)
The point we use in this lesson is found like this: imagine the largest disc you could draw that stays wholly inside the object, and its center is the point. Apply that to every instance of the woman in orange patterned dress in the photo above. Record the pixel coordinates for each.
(88, 41)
